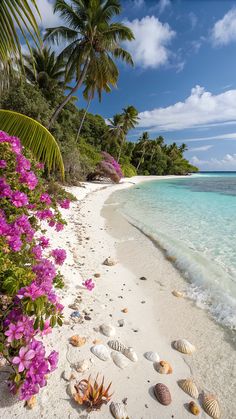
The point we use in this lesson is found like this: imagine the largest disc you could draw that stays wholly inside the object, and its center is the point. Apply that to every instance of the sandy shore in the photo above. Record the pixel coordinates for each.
(154, 319)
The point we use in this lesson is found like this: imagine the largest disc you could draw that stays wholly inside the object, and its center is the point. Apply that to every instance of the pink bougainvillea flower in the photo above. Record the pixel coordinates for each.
(59, 226)
(3, 164)
(44, 242)
(45, 198)
(65, 203)
(19, 199)
(53, 360)
(59, 256)
(15, 332)
(24, 359)
(89, 284)
(47, 328)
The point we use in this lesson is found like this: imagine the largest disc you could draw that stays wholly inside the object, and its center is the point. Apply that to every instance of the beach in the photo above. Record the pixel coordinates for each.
(153, 318)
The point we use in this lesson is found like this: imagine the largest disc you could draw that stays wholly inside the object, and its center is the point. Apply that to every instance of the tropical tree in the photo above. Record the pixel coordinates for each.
(130, 119)
(144, 141)
(17, 19)
(94, 41)
(45, 68)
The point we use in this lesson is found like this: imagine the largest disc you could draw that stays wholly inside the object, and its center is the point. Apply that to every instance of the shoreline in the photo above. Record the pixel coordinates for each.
(89, 239)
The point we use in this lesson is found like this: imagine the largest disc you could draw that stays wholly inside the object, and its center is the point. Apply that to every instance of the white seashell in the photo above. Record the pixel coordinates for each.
(116, 345)
(108, 330)
(84, 365)
(101, 352)
(120, 360)
(211, 406)
(177, 293)
(189, 387)
(71, 388)
(152, 356)
(118, 410)
(129, 353)
(184, 346)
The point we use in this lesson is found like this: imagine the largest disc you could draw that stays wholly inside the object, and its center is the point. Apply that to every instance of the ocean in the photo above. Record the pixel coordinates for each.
(194, 220)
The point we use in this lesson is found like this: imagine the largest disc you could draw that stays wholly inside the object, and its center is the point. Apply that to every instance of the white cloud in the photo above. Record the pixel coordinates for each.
(200, 108)
(230, 136)
(149, 49)
(201, 148)
(48, 17)
(224, 30)
(228, 162)
(163, 4)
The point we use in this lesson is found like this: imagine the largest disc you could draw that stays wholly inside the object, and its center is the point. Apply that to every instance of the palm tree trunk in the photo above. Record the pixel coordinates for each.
(140, 160)
(68, 97)
(84, 115)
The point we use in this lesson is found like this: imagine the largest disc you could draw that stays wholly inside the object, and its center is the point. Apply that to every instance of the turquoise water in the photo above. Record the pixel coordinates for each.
(194, 219)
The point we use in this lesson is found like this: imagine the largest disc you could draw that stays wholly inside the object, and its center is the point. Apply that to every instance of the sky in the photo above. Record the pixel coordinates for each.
(184, 80)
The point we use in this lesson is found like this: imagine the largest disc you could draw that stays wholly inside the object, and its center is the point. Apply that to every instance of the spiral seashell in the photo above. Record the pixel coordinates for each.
(194, 408)
(129, 353)
(116, 345)
(162, 394)
(120, 360)
(189, 387)
(118, 410)
(108, 330)
(152, 356)
(211, 406)
(184, 346)
(101, 352)
(163, 367)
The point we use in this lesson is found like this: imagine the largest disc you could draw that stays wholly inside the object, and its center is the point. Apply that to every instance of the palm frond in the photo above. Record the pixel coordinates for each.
(33, 136)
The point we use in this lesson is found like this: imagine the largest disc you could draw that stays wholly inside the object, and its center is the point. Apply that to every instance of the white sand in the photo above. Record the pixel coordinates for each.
(154, 319)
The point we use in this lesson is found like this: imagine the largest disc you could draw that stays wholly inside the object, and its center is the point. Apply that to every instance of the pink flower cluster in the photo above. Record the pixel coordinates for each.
(89, 284)
(24, 203)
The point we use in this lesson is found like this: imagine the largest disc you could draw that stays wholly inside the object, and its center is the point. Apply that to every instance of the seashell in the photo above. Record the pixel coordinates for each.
(211, 406)
(31, 403)
(152, 356)
(177, 293)
(129, 353)
(184, 346)
(77, 340)
(118, 410)
(108, 330)
(119, 359)
(97, 341)
(162, 394)
(116, 345)
(189, 387)
(194, 408)
(163, 367)
(101, 352)
(84, 365)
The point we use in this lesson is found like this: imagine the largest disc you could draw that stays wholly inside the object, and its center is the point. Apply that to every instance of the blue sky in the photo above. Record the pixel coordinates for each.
(184, 80)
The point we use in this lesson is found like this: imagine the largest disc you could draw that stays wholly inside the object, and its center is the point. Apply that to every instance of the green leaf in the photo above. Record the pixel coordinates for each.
(59, 321)
(33, 136)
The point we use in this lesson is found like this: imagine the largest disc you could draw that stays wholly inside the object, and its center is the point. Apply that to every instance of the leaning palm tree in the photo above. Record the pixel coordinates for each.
(94, 41)
(91, 87)
(144, 141)
(17, 22)
(45, 68)
(130, 119)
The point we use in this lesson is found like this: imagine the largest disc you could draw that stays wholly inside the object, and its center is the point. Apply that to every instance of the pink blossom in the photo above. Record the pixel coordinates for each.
(3, 164)
(53, 360)
(44, 242)
(19, 199)
(59, 226)
(59, 256)
(15, 332)
(89, 284)
(32, 291)
(29, 179)
(65, 203)
(46, 328)
(45, 198)
(24, 359)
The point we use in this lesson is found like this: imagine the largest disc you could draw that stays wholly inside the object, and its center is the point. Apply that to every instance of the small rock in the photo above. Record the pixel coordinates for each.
(109, 262)
(143, 278)
(177, 293)
(143, 302)
(124, 310)
(121, 322)
(97, 275)
(31, 403)
(77, 341)
(73, 306)
(87, 318)
(84, 365)
(97, 341)
(75, 314)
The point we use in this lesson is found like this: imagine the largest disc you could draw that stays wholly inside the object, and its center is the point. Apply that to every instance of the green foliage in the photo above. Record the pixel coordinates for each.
(128, 170)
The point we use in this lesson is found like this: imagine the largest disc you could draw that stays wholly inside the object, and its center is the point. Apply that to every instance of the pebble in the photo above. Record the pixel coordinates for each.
(87, 318)
(143, 278)
(124, 310)
(75, 314)
(121, 322)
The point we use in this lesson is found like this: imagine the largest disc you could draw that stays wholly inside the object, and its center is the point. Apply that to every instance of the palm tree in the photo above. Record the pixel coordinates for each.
(115, 129)
(144, 141)
(94, 41)
(17, 20)
(35, 137)
(45, 68)
(183, 148)
(130, 119)
(91, 87)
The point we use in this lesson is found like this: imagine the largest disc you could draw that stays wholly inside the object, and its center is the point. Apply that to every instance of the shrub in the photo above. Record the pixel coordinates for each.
(29, 305)
(128, 170)
(108, 167)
